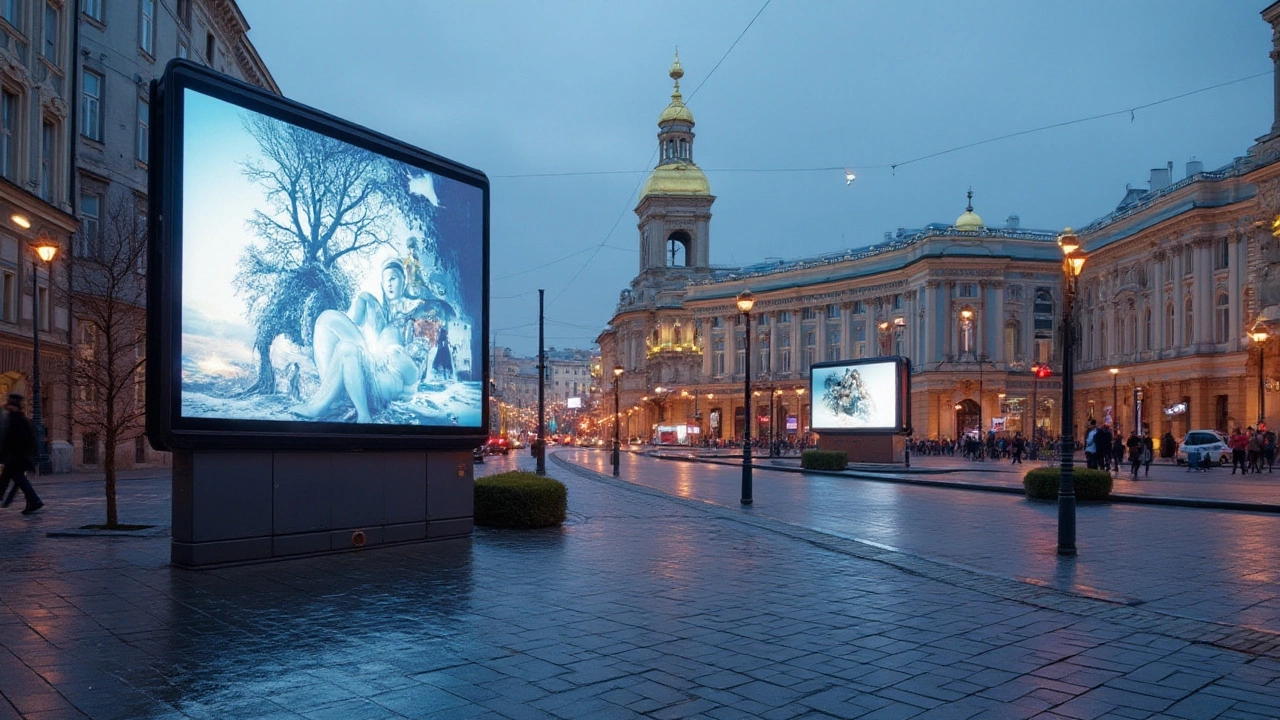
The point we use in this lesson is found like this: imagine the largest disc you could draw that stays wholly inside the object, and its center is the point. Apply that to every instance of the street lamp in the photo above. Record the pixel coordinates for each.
(1115, 399)
(617, 376)
(46, 251)
(745, 302)
(1259, 337)
(1072, 264)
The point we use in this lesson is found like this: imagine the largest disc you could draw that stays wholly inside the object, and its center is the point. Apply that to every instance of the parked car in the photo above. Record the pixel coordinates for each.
(498, 446)
(1205, 442)
(479, 453)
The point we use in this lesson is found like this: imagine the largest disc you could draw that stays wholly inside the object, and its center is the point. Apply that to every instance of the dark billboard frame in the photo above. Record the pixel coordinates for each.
(902, 404)
(167, 428)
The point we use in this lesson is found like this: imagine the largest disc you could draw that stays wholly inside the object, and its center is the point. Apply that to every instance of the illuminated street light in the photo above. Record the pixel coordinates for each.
(745, 303)
(1259, 337)
(617, 376)
(1072, 265)
(46, 251)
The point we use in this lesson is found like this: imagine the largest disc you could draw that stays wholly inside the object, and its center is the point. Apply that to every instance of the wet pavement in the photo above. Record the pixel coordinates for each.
(661, 597)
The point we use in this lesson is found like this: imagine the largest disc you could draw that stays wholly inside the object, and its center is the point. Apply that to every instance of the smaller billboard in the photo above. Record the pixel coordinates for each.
(870, 396)
(573, 403)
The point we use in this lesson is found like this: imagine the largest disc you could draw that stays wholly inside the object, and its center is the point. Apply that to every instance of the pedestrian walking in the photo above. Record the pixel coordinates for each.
(1239, 443)
(1102, 441)
(1268, 447)
(18, 453)
(1135, 447)
(1117, 449)
(1168, 446)
(1019, 445)
(1091, 446)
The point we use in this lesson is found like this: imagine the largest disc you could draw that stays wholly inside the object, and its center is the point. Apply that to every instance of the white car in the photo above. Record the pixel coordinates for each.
(1206, 442)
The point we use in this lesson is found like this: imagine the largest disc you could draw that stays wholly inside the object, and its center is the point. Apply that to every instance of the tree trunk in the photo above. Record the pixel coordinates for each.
(109, 469)
(266, 382)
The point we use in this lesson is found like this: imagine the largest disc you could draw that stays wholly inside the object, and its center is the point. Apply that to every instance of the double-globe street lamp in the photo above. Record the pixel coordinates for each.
(617, 416)
(1259, 337)
(745, 302)
(1073, 258)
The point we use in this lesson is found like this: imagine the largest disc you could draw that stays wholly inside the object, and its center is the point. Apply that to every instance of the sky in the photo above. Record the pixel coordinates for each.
(518, 88)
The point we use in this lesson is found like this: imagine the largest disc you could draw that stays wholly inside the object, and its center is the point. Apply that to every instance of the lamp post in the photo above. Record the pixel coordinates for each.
(745, 302)
(1072, 263)
(1115, 398)
(46, 251)
(1259, 337)
(617, 376)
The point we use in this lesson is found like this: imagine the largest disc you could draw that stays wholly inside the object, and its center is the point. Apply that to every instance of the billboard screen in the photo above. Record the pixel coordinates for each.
(309, 277)
(860, 396)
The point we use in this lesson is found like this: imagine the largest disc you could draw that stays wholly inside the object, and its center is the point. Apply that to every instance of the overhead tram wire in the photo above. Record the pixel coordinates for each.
(895, 165)
(627, 205)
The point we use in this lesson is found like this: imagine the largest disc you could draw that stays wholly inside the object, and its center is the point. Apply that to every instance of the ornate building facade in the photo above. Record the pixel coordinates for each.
(1176, 277)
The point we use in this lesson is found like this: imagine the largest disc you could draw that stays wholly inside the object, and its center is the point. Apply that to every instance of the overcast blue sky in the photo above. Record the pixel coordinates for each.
(519, 87)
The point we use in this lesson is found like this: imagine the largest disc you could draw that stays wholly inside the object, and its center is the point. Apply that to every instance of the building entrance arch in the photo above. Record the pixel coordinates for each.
(968, 418)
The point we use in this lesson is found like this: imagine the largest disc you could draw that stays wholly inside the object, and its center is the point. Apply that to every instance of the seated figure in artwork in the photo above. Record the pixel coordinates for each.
(361, 354)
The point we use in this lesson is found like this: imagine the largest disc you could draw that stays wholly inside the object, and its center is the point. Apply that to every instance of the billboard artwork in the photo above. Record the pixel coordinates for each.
(321, 280)
(862, 395)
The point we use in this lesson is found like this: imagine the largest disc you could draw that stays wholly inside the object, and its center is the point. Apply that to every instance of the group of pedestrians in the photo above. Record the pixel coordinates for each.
(1252, 449)
(1107, 450)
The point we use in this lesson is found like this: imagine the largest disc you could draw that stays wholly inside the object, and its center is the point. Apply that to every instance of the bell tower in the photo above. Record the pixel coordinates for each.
(675, 204)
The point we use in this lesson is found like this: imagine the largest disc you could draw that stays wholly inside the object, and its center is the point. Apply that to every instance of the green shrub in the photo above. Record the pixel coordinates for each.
(1042, 483)
(519, 500)
(824, 459)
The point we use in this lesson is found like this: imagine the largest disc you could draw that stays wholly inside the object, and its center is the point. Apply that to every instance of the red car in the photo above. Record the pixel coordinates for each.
(498, 446)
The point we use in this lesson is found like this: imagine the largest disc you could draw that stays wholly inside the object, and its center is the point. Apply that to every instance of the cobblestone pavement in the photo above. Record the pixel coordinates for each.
(1215, 565)
(642, 605)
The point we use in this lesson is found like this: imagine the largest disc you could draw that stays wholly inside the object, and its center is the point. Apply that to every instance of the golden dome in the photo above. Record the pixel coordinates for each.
(677, 109)
(676, 179)
(970, 221)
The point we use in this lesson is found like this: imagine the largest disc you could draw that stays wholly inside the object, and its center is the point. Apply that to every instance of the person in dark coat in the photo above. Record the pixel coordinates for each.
(18, 453)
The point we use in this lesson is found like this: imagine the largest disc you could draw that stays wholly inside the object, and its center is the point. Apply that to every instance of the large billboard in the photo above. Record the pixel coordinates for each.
(308, 278)
(869, 396)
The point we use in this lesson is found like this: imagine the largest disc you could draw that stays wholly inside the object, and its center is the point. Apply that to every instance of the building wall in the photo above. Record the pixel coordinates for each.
(123, 45)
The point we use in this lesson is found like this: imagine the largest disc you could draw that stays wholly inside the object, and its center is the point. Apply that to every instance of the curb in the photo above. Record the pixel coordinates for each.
(1005, 489)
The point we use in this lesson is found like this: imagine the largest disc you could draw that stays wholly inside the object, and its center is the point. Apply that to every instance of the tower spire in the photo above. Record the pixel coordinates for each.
(969, 207)
(676, 73)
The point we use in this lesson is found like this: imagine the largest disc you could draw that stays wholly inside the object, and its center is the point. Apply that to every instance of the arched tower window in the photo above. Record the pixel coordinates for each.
(678, 246)
(1221, 318)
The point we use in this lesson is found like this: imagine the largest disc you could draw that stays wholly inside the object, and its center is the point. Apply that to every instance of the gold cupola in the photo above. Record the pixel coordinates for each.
(676, 173)
(970, 221)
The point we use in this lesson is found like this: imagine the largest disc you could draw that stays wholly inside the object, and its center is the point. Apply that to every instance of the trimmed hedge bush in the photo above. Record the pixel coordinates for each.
(824, 459)
(1042, 483)
(519, 500)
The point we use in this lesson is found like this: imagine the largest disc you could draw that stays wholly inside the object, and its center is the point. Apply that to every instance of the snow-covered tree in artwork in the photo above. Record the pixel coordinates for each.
(326, 200)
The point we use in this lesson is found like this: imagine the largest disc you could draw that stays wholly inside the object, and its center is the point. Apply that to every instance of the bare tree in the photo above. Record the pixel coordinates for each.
(326, 200)
(108, 288)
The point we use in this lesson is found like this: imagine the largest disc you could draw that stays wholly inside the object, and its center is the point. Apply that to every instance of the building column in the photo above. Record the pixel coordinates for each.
(1204, 290)
(1179, 299)
(821, 329)
(949, 321)
(997, 344)
(846, 331)
(1234, 288)
(1158, 340)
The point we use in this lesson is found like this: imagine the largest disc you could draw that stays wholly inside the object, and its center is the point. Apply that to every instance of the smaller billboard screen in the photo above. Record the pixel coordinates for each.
(868, 396)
